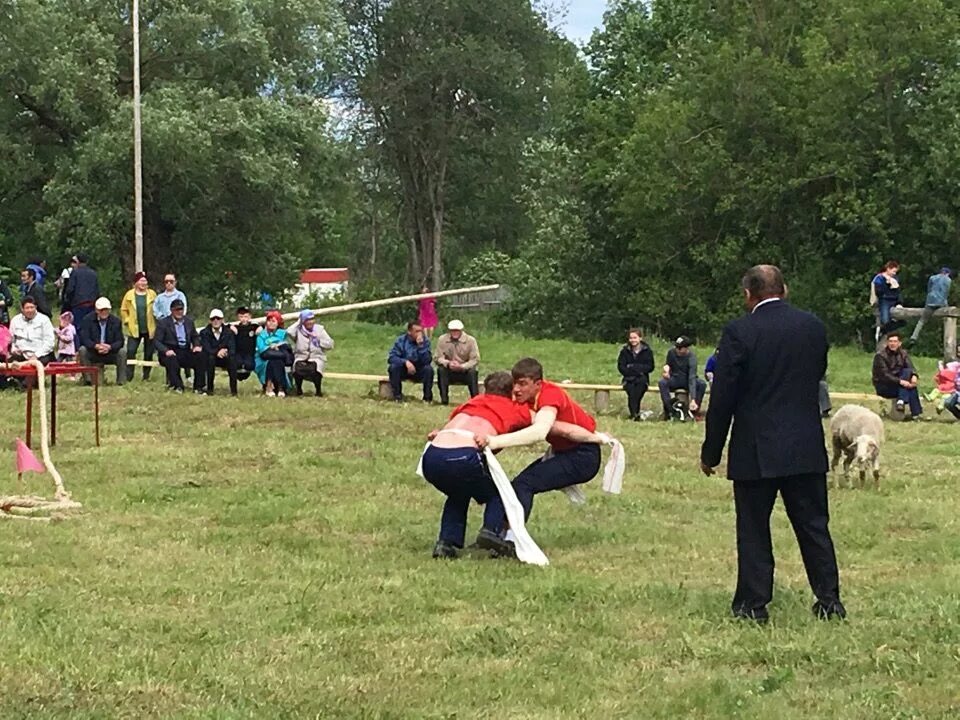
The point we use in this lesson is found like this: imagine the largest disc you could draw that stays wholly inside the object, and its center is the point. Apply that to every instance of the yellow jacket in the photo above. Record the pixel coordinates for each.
(128, 313)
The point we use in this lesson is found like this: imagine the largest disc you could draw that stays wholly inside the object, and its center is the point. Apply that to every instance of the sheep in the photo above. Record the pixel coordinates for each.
(858, 434)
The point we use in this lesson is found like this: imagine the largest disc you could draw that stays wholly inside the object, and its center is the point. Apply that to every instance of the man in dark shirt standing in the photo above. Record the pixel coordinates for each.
(768, 372)
(29, 287)
(246, 343)
(83, 289)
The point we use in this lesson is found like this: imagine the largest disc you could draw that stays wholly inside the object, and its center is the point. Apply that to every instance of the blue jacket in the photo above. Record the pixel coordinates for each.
(407, 349)
(938, 290)
(264, 340)
(885, 292)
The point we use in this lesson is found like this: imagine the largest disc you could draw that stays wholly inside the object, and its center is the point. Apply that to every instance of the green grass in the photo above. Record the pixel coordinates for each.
(259, 558)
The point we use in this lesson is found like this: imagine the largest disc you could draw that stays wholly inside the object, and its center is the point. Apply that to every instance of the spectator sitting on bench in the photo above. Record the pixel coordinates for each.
(894, 376)
(635, 363)
(178, 346)
(457, 356)
(680, 373)
(409, 359)
(310, 344)
(101, 340)
(31, 333)
(219, 345)
(246, 332)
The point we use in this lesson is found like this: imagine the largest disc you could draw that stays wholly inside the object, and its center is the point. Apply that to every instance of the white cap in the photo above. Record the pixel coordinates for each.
(102, 303)
(215, 313)
(455, 325)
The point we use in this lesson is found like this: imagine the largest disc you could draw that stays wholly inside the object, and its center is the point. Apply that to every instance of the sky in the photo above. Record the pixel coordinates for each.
(583, 17)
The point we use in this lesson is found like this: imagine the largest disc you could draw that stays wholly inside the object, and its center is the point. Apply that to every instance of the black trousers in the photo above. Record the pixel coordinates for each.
(245, 365)
(424, 375)
(805, 500)
(635, 393)
(228, 363)
(306, 370)
(447, 377)
(185, 358)
(576, 466)
(133, 344)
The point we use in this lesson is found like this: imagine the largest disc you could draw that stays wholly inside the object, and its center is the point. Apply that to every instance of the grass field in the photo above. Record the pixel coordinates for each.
(257, 558)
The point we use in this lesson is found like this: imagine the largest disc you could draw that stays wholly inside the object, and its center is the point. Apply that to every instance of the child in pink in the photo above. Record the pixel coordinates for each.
(428, 313)
(66, 338)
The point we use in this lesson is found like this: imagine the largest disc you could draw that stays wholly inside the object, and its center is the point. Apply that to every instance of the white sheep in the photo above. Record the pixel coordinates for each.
(858, 434)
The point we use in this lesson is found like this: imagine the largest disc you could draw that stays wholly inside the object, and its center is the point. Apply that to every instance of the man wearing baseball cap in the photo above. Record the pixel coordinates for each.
(219, 346)
(100, 339)
(457, 357)
(938, 296)
(680, 373)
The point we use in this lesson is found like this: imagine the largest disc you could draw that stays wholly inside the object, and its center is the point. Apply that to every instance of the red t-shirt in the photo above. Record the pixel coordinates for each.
(503, 413)
(568, 411)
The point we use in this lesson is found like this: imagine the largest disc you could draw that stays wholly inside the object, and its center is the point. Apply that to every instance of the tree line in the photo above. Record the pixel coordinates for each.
(626, 182)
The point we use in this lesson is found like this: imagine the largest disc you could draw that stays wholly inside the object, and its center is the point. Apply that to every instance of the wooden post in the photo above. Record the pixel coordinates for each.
(601, 400)
(949, 339)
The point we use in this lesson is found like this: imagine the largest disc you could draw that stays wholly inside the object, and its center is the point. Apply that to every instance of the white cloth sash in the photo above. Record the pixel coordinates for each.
(527, 549)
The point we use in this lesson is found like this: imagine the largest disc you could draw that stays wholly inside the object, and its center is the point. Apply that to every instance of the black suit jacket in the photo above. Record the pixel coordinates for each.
(40, 298)
(767, 378)
(88, 335)
(212, 346)
(166, 336)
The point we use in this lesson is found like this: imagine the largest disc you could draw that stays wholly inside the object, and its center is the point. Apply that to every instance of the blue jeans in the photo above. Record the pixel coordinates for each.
(884, 307)
(951, 404)
(568, 467)
(461, 475)
(675, 383)
(910, 396)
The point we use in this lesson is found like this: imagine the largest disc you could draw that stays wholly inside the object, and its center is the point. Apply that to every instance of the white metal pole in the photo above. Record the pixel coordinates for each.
(137, 158)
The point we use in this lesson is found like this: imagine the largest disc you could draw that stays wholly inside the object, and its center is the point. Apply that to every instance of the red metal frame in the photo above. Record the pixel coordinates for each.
(52, 371)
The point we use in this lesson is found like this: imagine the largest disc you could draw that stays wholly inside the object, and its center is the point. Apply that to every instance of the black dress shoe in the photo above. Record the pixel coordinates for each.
(489, 540)
(445, 550)
(829, 610)
(757, 615)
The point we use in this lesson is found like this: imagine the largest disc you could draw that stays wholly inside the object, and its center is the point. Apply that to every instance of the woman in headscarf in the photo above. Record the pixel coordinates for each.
(310, 343)
(273, 356)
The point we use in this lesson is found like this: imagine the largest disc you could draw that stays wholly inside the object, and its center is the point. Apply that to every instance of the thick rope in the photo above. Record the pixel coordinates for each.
(28, 507)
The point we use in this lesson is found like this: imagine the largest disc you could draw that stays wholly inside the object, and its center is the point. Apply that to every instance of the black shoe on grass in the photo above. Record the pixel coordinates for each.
(833, 610)
(444, 550)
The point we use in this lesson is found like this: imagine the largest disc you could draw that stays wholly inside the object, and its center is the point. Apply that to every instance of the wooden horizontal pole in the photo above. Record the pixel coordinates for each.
(366, 305)
(908, 313)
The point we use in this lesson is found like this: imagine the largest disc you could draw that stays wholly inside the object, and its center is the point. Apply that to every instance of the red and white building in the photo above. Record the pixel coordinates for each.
(322, 281)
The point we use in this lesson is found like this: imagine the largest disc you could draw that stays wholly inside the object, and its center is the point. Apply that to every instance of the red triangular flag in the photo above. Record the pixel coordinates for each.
(26, 460)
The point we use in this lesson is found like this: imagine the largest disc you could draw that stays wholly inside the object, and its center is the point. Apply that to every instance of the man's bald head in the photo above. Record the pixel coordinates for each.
(763, 282)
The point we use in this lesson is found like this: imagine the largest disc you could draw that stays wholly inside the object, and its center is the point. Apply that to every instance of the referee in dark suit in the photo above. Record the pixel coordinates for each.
(769, 367)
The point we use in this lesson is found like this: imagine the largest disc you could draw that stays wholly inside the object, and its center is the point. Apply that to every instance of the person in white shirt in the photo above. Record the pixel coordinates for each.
(32, 334)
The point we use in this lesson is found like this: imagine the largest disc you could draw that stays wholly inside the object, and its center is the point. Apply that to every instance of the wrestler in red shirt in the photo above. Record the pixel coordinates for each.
(453, 464)
(571, 463)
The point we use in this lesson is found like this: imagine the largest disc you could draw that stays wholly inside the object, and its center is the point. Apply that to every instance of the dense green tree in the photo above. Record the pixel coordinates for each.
(450, 90)
(819, 136)
(240, 169)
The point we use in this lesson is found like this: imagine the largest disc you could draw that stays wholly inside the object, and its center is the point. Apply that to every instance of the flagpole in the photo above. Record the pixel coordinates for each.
(137, 157)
